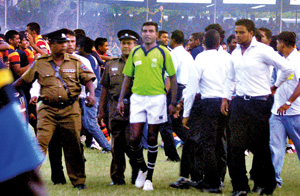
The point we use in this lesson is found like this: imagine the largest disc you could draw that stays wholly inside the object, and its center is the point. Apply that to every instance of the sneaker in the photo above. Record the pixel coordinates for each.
(182, 183)
(148, 186)
(140, 180)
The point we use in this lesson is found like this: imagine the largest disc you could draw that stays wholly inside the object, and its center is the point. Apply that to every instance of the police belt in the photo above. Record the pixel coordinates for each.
(60, 104)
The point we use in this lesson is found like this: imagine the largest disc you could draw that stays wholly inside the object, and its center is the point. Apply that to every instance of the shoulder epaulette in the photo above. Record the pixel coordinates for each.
(73, 57)
(43, 56)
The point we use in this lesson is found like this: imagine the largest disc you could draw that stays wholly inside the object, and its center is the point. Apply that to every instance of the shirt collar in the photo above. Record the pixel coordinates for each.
(253, 43)
(38, 37)
(11, 47)
(291, 55)
(66, 57)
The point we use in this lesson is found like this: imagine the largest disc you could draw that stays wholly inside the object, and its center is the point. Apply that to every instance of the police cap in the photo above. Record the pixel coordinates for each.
(128, 34)
(59, 35)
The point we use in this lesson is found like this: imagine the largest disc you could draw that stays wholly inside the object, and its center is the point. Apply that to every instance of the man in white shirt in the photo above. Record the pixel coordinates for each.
(185, 67)
(223, 159)
(249, 75)
(285, 116)
(212, 67)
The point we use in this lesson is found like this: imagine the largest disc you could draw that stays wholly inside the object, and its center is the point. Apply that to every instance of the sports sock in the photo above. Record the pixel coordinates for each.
(138, 153)
(152, 155)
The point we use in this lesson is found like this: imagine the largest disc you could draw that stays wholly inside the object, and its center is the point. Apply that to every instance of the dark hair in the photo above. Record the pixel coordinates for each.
(149, 23)
(198, 35)
(288, 38)
(86, 43)
(10, 35)
(212, 39)
(22, 35)
(34, 26)
(230, 38)
(258, 35)
(178, 36)
(68, 32)
(273, 42)
(218, 28)
(79, 32)
(162, 32)
(249, 24)
(99, 42)
(267, 31)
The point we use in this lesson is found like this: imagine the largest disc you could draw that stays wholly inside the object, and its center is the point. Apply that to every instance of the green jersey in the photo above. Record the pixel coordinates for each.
(148, 69)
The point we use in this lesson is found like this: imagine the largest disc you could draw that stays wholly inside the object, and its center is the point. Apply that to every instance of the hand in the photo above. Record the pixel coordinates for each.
(172, 109)
(33, 100)
(224, 107)
(90, 101)
(30, 39)
(178, 109)
(100, 116)
(121, 107)
(273, 90)
(282, 110)
(184, 122)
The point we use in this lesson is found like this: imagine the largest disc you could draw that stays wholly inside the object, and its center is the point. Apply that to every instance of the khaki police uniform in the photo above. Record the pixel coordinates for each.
(60, 111)
(112, 79)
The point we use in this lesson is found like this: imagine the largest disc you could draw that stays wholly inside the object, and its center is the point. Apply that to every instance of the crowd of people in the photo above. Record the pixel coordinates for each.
(221, 97)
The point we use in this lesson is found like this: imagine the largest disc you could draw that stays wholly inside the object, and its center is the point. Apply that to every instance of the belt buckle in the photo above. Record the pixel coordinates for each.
(61, 104)
(247, 98)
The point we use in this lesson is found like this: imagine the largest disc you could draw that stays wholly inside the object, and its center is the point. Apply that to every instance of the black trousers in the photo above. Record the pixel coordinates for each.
(249, 129)
(191, 159)
(212, 135)
(120, 131)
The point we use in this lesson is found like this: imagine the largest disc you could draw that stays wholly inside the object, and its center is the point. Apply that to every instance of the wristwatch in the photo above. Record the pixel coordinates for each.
(288, 103)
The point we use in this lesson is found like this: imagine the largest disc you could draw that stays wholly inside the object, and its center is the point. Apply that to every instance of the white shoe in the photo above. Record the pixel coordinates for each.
(140, 180)
(148, 186)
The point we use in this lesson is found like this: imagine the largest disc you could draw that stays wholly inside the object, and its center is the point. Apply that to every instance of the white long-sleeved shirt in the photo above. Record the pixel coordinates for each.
(35, 89)
(284, 92)
(181, 60)
(249, 73)
(211, 67)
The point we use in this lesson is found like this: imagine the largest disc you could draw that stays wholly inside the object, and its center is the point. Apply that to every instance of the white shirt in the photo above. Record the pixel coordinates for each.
(284, 92)
(211, 67)
(35, 89)
(249, 73)
(181, 60)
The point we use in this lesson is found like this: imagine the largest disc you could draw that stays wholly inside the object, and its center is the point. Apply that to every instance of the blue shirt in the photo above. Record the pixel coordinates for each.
(96, 69)
(196, 51)
(19, 149)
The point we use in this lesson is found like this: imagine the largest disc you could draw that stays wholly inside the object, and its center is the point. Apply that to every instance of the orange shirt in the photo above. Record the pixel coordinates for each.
(41, 43)
(13, 56)
(29, 55)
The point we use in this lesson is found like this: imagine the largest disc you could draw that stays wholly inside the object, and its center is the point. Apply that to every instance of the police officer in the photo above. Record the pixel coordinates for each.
(119, 125)
(60, 76)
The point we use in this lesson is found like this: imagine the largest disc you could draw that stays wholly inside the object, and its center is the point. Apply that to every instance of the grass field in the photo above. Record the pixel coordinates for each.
(98, 178)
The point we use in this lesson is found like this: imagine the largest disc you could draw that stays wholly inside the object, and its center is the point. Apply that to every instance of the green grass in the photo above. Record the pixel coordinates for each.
(98, 178)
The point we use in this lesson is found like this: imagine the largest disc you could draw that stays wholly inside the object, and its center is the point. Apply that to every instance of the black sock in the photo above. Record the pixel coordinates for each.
(138, 153)
(152, 155)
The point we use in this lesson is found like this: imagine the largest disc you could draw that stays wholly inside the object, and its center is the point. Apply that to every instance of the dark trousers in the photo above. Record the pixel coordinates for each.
(55, 158)
(120, 131)
(191, 159)
(249, 129)
(212, 132)
(169, 143)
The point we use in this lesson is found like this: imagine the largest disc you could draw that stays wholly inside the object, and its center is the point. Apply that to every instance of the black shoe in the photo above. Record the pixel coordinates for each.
(117, 183)
(182, 183)
(60, 183)
(105, 151)
(266, 191)
(239, 193)
(80, 186)
(257, 189)
(210, 190)
(173, 160)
